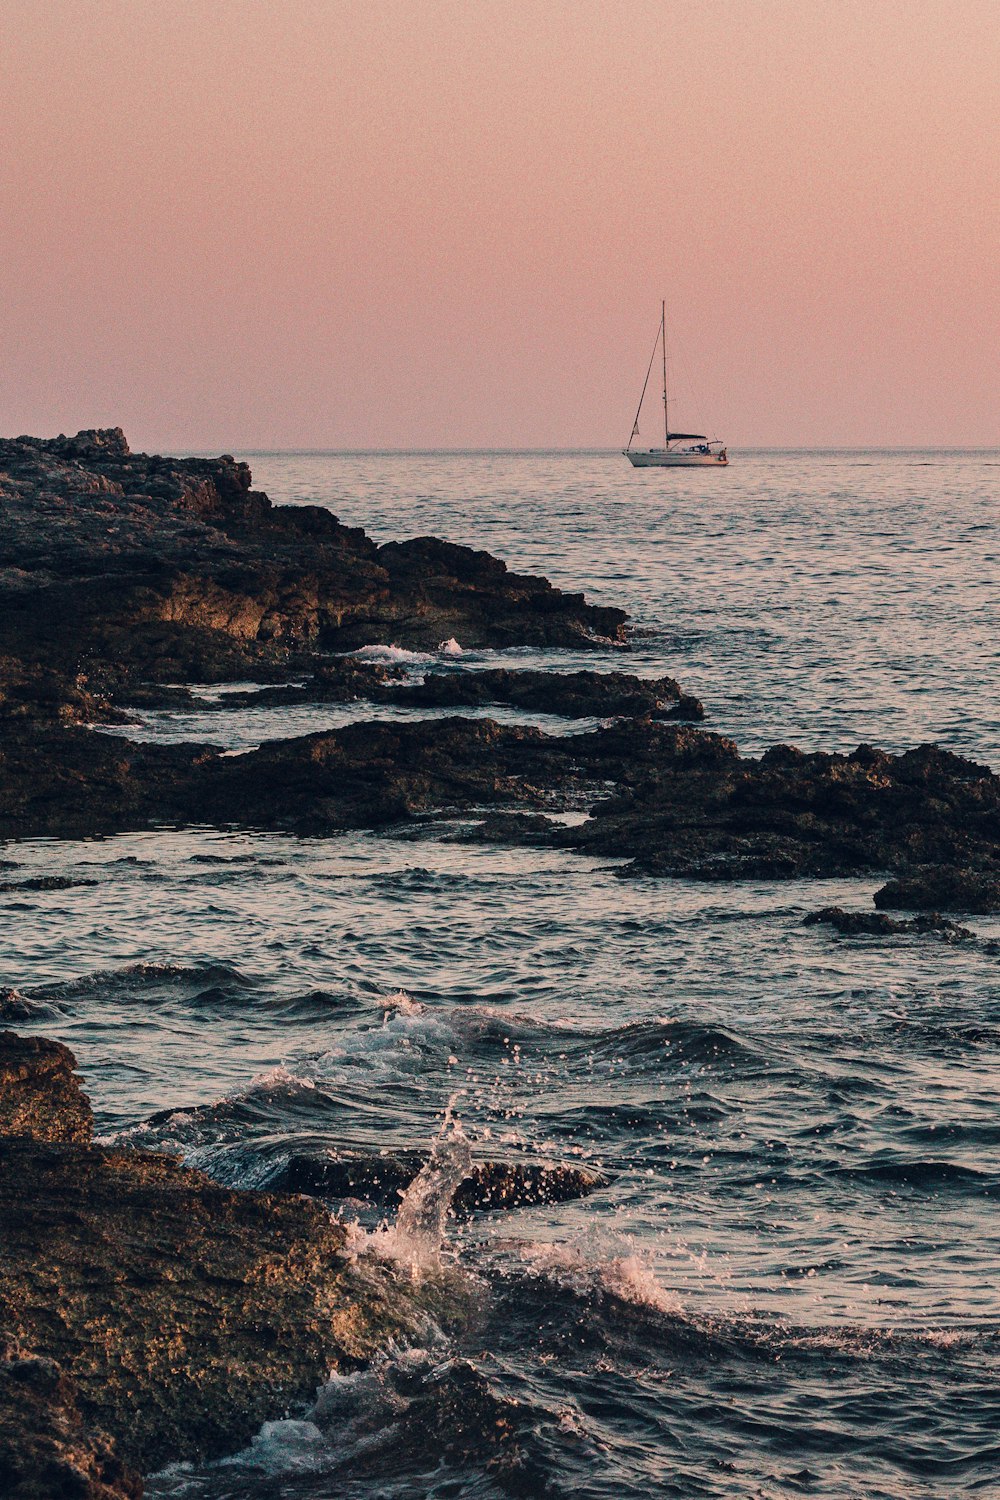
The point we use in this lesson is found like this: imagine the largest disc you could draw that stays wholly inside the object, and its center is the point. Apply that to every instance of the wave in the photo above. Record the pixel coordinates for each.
(17, 1006)
(423, 1422)
(399, 656)
(393, 656)
(925, 1174)
(196, 988)
(150, 976)
(415, 1054)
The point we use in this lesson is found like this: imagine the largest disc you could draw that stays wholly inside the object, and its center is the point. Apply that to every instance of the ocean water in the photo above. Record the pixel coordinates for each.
(787, 1282)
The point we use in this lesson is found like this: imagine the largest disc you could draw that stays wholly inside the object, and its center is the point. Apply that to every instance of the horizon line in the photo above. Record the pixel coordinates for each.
(261, 451)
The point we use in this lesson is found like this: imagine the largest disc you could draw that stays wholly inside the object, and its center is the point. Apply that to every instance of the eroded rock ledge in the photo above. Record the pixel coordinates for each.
(127, 567)
(791, 814)
(671, 799)
(574, 695)
(147, 1314)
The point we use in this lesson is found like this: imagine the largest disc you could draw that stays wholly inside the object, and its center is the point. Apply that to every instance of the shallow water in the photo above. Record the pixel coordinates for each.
(788, 1283)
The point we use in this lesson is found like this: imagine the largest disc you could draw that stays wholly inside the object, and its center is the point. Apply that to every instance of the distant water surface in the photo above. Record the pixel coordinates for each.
(788, 1284)
(823, 598)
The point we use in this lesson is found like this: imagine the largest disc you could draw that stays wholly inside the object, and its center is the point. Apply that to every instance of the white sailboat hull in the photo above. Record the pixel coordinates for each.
(664, 458)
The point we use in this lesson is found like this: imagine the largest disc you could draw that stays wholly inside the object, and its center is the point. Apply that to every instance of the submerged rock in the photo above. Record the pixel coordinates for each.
(45, 883)
(877, 924)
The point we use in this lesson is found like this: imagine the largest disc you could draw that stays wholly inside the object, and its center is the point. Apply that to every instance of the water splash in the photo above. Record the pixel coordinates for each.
(418, 1234)
(392, 655)
(602, 1262)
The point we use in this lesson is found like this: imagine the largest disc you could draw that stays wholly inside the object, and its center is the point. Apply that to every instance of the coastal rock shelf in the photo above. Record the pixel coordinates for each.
(670, 799)
(176, 570)
(574, 695)
(147, 1314)
(793, 815)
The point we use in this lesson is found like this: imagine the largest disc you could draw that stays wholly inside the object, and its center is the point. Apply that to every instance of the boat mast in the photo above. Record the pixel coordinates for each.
(645, 383)
(666, 414)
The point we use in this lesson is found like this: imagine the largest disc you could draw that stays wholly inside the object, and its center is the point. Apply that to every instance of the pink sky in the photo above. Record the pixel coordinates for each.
(395, 223)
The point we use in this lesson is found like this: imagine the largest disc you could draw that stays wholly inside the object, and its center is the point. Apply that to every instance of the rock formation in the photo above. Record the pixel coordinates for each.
(175, 570)
(792, 814)
(877, 924)
(574, 695)
(147, 1314)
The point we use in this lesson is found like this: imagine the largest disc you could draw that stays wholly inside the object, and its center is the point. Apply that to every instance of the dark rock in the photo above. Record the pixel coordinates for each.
(877, 924)
(532, 829)
(944, 888)
(38, 694)
(572, 694)
(70, 782)
(687, 707)
(674, 799)
(340, 679)
(185, 1314)
(683, 802)
(382, 1179)
(792, 814)
(39, 1093)
(44, 883)
(47, 1451)
(176, 570)
(496, 1185)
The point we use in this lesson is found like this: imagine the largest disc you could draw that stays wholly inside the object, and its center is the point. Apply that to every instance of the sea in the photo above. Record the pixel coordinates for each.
(788, 1280)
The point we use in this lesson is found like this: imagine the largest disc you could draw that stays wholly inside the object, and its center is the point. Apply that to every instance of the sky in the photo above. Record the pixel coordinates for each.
(239, 224)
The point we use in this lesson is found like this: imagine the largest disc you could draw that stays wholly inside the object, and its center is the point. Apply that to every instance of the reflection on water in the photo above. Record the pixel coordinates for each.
(787, 1282)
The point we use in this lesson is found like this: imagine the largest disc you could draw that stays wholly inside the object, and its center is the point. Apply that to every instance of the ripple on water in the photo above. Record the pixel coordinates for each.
(786, 1280)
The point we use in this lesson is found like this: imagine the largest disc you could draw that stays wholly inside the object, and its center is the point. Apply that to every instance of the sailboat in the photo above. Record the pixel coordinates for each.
(681, 450)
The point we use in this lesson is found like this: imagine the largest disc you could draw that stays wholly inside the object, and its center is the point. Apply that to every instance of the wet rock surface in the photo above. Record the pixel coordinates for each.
(370, 774)
(170, 1313)
(670, 799)
(382, 1179)
(944, 888)
(877, 924)
(574, 695)
(45, 883)
(791, 814)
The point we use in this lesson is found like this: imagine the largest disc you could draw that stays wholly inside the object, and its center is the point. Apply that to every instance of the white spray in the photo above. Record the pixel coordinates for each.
(418, 1233)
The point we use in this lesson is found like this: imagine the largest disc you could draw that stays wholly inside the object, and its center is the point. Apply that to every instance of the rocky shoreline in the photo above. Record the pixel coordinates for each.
(132, 568)
(176, 572)
(148, 1314)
